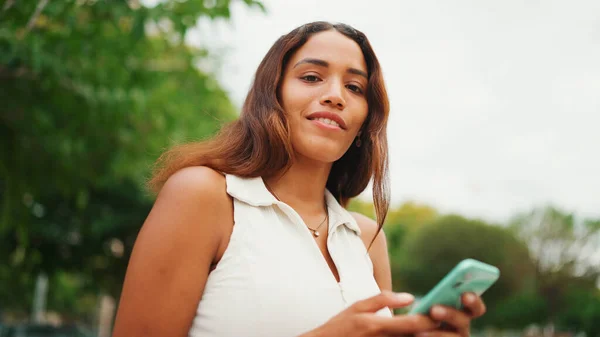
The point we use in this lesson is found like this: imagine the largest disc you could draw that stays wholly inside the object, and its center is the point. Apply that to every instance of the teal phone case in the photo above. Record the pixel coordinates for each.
(468, 276)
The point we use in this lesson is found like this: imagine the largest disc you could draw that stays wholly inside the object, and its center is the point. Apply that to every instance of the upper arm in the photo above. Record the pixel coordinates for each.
(378, 251)
(172, 255)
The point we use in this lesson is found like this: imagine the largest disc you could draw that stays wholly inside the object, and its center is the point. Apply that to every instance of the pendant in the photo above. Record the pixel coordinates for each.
(315, 233)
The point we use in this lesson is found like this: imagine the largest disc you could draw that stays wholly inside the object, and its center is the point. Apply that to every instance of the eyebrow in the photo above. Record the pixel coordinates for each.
(323, 63)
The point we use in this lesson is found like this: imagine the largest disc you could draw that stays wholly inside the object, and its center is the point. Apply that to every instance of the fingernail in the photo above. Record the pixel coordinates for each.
(404, 297)
(438, 311)
(469, 298)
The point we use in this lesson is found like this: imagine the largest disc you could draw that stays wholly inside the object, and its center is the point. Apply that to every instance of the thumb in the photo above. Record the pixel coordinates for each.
(384, 299)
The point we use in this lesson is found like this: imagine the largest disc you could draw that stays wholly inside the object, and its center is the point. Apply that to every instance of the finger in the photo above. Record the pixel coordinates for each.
(384, 299)
(406, 324)
(456, 318)
(474, 304)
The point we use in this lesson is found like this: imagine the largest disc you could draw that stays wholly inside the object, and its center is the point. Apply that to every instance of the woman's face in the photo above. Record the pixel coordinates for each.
(323, 94)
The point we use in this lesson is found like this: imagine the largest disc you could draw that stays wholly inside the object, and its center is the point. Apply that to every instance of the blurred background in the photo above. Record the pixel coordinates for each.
(493, 132)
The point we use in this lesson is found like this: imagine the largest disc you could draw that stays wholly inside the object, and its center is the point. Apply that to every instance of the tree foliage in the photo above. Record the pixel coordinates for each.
(92, 92)
(432, 250)
(564, 250)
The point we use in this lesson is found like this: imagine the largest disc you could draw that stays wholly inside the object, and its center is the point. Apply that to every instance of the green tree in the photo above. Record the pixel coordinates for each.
(518, 310)
(434, 249)
(363, 207)
(581, 311)
(564, 250)
(92, 92)
(400, 222)
(412, 215)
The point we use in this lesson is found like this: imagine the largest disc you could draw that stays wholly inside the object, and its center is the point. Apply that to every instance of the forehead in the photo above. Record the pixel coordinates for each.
(333, 47)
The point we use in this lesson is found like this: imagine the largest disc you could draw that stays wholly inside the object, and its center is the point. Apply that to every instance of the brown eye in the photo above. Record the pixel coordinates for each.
(354, 88)
(310, 78)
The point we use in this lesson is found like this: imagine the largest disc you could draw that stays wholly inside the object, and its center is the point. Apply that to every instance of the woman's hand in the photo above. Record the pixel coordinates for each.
(360, 320)
(457, 323)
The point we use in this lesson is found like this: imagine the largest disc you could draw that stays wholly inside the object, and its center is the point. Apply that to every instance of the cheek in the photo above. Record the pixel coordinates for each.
(361, 115)
(296, 98)
(288, 97)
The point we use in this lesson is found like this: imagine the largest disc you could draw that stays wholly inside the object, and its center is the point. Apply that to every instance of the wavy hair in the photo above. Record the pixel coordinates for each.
(258, 143)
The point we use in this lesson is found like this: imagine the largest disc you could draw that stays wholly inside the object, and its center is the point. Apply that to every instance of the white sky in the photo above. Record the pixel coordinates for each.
(494, 104)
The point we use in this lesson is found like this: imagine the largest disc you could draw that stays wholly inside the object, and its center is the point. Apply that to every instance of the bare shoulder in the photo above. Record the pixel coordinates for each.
(198, 181)
(378, 250)
(192, 194)
(197, 196)
(173, 253)
(368, 228)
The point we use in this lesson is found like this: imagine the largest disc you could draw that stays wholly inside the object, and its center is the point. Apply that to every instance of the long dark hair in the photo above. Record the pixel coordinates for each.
(258, 144)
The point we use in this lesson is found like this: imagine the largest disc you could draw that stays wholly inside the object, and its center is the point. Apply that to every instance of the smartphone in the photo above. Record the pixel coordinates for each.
(467, 276)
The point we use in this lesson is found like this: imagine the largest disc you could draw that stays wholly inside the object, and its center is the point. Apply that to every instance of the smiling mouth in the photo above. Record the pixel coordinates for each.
(326, 121)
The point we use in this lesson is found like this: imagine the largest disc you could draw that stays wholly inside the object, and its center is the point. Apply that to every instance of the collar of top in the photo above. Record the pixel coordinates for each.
(253, 191)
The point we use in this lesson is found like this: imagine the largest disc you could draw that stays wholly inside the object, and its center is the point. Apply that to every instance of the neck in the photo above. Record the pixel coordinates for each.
(302, 186)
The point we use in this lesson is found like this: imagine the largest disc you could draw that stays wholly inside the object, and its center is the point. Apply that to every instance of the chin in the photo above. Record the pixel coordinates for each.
(322, 153)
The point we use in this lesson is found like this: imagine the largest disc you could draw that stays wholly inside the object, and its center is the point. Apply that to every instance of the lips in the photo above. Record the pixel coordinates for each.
(328, 118)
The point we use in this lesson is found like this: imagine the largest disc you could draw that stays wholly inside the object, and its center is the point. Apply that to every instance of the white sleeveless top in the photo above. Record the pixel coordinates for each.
(273, 280)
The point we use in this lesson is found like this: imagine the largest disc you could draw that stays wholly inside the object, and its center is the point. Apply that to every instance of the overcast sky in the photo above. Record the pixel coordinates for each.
(495, 105)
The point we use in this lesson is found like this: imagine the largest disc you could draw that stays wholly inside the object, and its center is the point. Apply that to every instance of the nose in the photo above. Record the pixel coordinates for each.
(333, 97)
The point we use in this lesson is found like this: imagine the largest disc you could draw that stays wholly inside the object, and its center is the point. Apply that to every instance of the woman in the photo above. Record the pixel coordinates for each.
(248, 235)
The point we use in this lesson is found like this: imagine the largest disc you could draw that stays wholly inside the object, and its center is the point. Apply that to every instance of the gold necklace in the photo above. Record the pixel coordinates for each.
(314, 231)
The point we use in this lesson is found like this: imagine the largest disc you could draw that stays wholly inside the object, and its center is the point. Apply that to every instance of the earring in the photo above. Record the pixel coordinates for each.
(358, 141)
